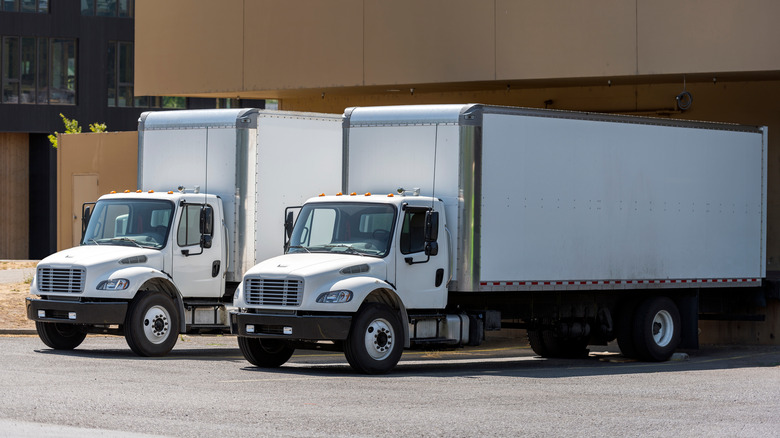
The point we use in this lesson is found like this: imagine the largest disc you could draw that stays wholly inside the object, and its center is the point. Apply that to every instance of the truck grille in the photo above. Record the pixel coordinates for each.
(61, 280)
(273, 292)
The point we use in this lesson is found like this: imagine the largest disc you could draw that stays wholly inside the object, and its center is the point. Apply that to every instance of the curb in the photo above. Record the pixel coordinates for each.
(18, 332)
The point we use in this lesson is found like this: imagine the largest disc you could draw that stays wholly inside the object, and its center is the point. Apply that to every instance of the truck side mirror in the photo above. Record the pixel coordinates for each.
(431, 249)
(206, 226)
(431, 226)
(85, 215)
(206, 220)
(288, 224)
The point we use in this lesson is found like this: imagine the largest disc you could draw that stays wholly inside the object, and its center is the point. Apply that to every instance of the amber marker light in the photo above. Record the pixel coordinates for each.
(170, 192)
(151, 191)
(390, 195)
(127, 191)
(353, 194)
(368, 194)
(339, 194)
(322, 194)
(112, 192)
(139, 191)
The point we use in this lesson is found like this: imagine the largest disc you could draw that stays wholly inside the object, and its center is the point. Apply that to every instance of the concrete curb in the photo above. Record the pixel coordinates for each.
(18, 332)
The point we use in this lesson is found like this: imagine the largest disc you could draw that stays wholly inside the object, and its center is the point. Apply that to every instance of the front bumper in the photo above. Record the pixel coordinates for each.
(75, 312)
(293, 327)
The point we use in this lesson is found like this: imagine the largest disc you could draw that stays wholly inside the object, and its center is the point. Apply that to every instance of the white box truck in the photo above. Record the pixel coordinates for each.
(166, 259)
(579, 227)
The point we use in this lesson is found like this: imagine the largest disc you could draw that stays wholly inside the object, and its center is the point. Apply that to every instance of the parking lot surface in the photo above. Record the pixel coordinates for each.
(206, 388)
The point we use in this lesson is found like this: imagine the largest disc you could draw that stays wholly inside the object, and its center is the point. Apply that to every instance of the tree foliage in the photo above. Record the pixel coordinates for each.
(72, 127)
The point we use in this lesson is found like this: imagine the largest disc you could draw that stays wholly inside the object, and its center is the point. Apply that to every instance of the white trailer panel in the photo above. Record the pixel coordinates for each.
(606, 200)
(541, 199)
(257, 161)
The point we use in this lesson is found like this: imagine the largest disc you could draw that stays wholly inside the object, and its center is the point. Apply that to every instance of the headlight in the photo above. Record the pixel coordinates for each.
(336, 296)
(115, 284)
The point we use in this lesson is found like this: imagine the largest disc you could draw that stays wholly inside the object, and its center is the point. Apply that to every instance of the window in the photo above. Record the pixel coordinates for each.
(62, 83)
(41, 6)
(38, 70)
(120, 74)
(189, 226)
(108, 8)
(413, 232)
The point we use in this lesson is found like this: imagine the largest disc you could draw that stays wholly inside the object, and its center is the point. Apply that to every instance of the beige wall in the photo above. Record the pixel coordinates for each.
(14, 201)
(111, 156)
(268, 49)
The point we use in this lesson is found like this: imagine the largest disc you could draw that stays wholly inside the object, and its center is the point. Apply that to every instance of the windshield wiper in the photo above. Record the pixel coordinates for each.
(347, 248)
(300, 247)
(125, 239)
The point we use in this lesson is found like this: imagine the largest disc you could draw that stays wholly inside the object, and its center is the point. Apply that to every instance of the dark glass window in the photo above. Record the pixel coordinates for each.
(38, 70)
(43, 70)
(88, 7)
(25, 5)
(62, 88)
(28, 71)
(10, 70)
(108, 8)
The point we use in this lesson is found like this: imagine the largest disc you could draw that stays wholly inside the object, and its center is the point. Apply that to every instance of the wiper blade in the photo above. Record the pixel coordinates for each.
(300, 247)
(347, 248)
(125, 239)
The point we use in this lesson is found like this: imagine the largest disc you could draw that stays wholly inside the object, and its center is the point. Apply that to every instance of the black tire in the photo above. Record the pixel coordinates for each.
(375, 341)
(265, 353)
(656, 330)
(536, 340)
(625, 329)
(546, 343)
(60, 336)
(152, 324)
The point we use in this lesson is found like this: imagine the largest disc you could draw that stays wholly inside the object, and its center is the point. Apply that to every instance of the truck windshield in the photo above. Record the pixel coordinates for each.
(142, 223)
(350, 228)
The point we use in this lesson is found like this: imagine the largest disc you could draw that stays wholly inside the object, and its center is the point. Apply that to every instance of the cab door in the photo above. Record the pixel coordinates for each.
(198, 269)
(420, 279)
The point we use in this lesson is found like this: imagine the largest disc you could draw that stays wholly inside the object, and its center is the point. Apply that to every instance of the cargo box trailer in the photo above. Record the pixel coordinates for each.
(579, 227)
(166, 258)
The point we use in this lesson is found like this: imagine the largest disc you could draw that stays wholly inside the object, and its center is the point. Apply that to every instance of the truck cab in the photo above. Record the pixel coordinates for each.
(366, 274)
(148, 266)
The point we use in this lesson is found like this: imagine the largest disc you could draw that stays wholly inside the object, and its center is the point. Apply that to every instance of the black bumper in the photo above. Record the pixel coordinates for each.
(86, 313)
(294, 327)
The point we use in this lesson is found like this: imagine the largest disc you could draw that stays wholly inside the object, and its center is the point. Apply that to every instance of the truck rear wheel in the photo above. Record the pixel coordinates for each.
(656, 330)
(265, 353)
(152, 324)
(546, 343)
(375, 342)
(60, 336)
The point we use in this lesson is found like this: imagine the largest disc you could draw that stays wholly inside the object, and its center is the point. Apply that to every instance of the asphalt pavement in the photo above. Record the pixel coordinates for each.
(206, 388)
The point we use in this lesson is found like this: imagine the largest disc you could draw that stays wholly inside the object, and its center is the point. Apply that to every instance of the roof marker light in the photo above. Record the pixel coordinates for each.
(139, 191)
(390, 195)
(170, 192)
(353, 194)
(113, 192)
(339, 194)
(368, 194)
(127, 191)
(322, 194)
(151, 191)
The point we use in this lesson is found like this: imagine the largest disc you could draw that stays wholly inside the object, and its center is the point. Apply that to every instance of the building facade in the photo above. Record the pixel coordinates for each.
(69, 57)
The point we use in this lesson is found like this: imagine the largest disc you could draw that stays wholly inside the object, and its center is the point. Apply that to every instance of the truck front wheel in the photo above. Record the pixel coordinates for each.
(60, 336)
(265, 353)
(656, 331)
(152, 324)
(375, 342)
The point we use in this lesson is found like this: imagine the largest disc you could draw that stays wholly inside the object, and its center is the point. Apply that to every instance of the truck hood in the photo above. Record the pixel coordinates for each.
(316, 264)
(95, 255)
